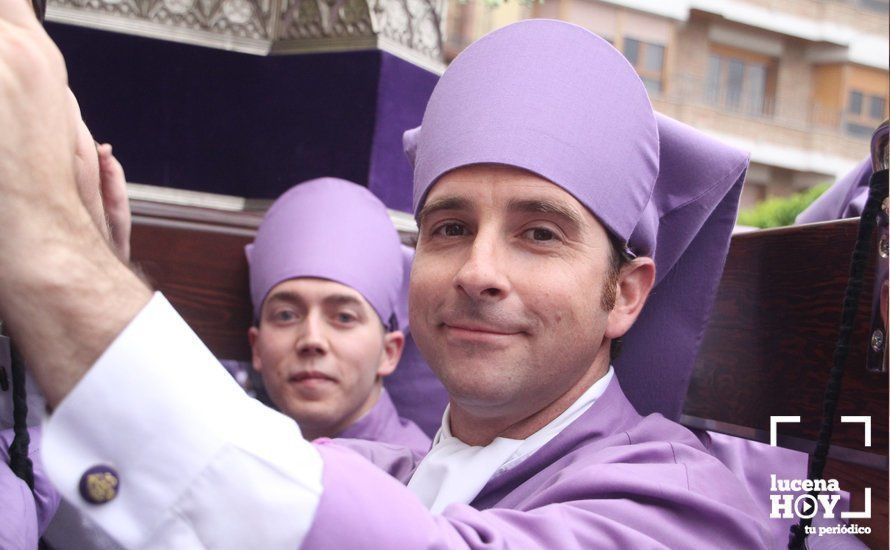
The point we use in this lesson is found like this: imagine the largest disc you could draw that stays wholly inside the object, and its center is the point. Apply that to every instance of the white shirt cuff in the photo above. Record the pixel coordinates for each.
(199, 463)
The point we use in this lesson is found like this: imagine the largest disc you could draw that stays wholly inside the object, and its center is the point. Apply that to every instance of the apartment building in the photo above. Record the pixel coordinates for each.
(801, 84)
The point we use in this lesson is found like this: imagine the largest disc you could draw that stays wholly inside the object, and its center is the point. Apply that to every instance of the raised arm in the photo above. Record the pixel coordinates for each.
(63, 293)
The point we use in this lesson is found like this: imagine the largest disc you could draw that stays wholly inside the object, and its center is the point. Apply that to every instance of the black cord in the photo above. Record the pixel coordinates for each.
(877, 192)
(19, 461)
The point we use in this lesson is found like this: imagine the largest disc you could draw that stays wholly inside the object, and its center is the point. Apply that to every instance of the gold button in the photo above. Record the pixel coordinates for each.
(99, 484)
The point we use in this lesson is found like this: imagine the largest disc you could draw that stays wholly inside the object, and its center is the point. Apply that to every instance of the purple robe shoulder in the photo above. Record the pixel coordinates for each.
(611, 479)
(384, 425)
(25, 515)
(844, 199)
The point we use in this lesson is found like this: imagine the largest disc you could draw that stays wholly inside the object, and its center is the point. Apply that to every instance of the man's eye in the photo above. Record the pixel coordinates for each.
(540, 234)
(346, 318)
(451, 230)
(284, 316)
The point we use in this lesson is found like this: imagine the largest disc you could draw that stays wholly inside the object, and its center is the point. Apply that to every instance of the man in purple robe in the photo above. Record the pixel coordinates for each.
(844, 199)
(326, 276)
(547, 194)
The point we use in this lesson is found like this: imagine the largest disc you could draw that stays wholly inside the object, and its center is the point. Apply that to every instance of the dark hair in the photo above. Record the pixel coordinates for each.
(618, 258)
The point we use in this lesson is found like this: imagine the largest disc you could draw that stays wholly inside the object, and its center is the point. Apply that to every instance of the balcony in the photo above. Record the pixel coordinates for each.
(783, 122)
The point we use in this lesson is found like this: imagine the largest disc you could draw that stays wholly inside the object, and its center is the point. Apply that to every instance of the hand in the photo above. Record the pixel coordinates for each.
(64, 295)
(114, 200)
(38, 127)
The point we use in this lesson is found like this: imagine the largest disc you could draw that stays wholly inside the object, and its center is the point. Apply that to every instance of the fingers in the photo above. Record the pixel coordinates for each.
(111, 173)
(111, 170)
(114, 199)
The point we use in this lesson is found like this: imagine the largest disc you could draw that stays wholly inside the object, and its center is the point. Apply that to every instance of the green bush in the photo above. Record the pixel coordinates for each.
(779, 211)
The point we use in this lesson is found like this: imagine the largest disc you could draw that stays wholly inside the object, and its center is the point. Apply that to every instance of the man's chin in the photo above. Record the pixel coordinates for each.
(480, 392)
(315, 421)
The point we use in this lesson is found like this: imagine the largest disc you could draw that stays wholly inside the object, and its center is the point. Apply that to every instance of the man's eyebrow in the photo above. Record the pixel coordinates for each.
(444, 203)
(285, 296)
(544, 206)
(342, 300)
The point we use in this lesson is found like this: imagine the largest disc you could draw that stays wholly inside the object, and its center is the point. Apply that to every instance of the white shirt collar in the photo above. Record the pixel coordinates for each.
(456, 472)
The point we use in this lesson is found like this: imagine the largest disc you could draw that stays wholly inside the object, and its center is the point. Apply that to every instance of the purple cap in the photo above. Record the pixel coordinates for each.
(401, 307)
(331, 229)
(584, 123)
(555, 99)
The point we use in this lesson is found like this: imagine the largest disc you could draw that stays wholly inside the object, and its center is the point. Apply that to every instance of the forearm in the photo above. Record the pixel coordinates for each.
(63, 294)
(66, 301)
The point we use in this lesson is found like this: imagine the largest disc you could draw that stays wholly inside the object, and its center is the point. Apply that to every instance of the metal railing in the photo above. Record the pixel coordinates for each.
(790, 112)
(877, 6)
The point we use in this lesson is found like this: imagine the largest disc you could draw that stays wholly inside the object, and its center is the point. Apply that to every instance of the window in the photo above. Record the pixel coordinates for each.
(878, 6)
(876, 107)
(457, 28)
(648, 60)
(854, 106)
(864, 113)
(739, 84)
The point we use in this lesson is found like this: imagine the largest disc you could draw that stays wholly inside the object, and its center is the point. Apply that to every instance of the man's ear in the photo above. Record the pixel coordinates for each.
(252, 334)
(393, 345)
(635, 280)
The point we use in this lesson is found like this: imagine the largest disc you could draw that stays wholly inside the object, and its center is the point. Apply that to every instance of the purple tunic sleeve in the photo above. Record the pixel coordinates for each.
(18, 527)
(25, 514)
(630, 503)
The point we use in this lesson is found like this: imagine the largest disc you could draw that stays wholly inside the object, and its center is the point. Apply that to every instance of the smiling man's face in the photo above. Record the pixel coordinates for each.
(506, 292)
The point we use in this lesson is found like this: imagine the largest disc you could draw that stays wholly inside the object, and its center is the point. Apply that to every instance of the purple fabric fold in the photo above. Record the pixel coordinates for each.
(844, 199)
(25, 514)
(612, 479)
(383, 424)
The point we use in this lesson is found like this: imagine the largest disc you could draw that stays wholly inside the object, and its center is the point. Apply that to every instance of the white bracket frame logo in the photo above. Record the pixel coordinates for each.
(774, 421)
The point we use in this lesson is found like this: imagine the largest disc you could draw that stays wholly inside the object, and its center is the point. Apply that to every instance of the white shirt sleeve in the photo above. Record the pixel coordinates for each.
(200, 464)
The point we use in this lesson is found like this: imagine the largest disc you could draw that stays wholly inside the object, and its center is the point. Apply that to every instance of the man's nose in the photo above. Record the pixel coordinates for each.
(312, 340)
(482, 276)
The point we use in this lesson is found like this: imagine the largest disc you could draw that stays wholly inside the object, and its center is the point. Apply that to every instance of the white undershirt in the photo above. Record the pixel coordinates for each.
(454, 472)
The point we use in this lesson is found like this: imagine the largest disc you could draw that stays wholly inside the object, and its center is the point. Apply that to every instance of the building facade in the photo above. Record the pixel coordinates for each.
(801, 84)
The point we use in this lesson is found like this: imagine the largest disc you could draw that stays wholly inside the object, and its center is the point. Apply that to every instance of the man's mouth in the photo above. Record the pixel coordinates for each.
(481, 328)
(310, 377)
(481, 333)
